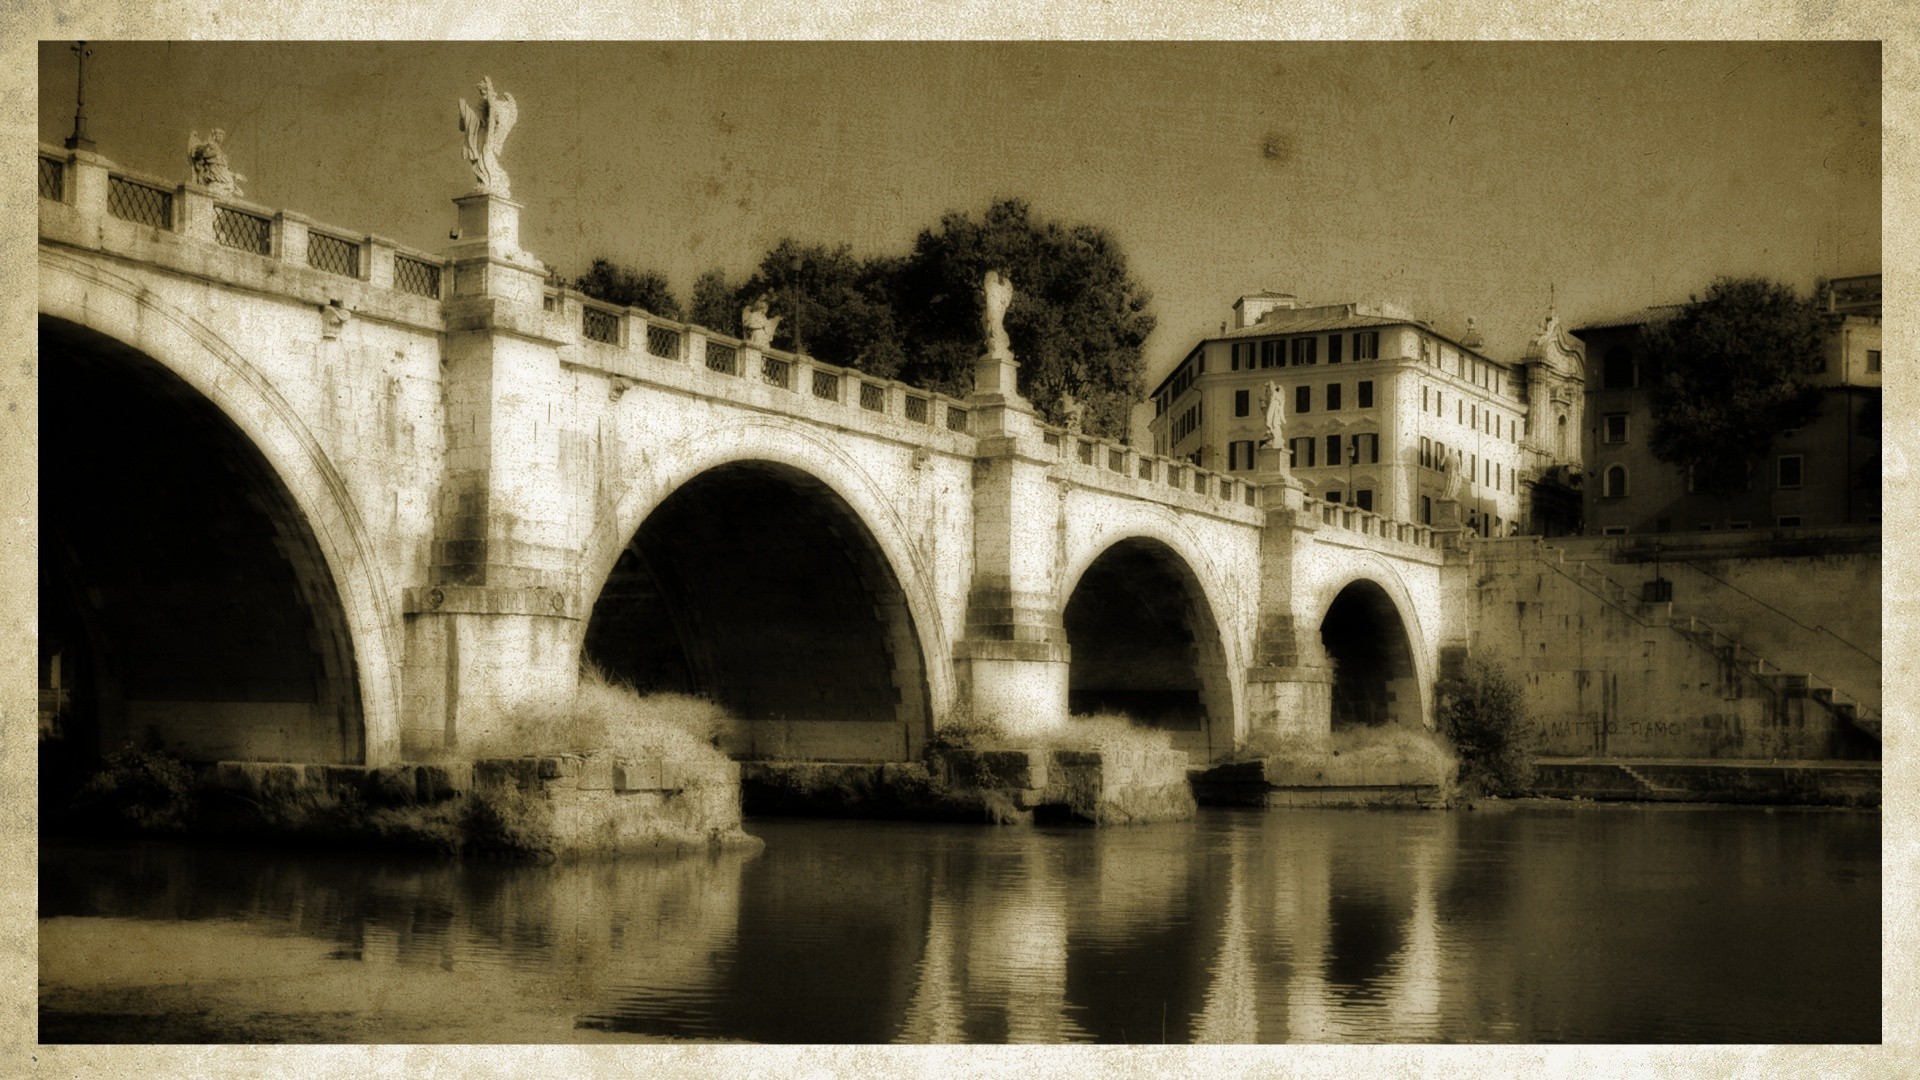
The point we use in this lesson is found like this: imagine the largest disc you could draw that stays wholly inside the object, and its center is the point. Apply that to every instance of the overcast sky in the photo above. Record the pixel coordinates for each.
(1458, 180)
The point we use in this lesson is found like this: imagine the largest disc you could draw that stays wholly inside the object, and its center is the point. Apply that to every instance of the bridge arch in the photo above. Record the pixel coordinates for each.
(225, 409)
(1371, 628)
(1141, 608)
(827, 625)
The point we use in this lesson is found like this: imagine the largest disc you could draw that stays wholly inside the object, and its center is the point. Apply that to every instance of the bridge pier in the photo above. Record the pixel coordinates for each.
(1290, 683)
(1012, 665)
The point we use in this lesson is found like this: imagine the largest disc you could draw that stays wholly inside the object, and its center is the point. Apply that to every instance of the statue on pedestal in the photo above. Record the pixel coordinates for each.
(999, 297)
(757, 326)
(486, 130)
(1272, 407)
(1070, 413)
(1455, 464)
(208, 156)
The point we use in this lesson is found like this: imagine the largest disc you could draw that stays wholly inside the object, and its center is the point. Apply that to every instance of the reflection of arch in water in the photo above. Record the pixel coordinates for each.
(219, 588)
(1145, 643)
(756, 583)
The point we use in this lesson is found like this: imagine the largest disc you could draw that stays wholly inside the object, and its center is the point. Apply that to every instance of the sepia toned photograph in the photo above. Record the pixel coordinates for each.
(1237, 542)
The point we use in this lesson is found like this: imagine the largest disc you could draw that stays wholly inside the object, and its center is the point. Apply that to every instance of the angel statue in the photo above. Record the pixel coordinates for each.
(1071, 413)
(757, 325)
(486, 130)
(1272, 404)
(999, 296)
(1455, 463)
(210, 169)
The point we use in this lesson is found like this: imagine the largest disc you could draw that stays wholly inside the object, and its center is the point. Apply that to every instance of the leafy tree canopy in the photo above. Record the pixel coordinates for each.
(844, 313)
(715, 303)
(1731, 371)
(616, 284)
(1077, 322)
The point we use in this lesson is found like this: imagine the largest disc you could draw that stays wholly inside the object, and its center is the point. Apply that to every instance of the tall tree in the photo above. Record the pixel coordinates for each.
(617, 284)
(838, 305)
(1732, 372)
(1077, 322)
(716, 303)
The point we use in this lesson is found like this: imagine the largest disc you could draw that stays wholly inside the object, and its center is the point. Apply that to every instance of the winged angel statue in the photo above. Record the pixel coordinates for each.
(486, 130)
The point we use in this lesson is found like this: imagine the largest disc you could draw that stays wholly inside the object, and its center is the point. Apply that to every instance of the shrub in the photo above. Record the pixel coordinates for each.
(140, 789)
(1414, 750)
(1481, 714)
(963, 730)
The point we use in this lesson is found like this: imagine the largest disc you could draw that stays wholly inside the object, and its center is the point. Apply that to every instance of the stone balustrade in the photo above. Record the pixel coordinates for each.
(94, 188)
(1367, 523)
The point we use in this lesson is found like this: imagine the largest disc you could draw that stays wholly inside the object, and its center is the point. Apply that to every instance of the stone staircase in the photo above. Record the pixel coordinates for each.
(1782, 682)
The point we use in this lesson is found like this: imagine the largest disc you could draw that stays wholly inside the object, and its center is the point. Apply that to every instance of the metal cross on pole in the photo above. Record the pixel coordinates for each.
(79, 140)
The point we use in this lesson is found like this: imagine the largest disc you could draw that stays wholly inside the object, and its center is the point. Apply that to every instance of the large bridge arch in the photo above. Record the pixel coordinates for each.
(1366, 616)
(844, 575)
(1146, 613)
(91, 305)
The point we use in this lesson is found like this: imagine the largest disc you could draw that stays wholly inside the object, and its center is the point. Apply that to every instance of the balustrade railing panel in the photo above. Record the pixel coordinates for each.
(917, 409)
(663, 342)
(142, 204)
(873, 396)
(599, 324)
(239, 229)
(956, 418)
(1085, 450)
(1116, 460)
(333, 254)
(721, 358)
(826, 384)
(53, 179)
(417, 276)
(777, 372)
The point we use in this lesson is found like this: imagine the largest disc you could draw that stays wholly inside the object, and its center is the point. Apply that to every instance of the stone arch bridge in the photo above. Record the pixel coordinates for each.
(307, 495)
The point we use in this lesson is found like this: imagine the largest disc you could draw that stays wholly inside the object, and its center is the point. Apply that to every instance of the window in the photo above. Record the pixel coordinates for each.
(1331, 496)
(1496, 476)
(1439, 403)
(1333, 395)
(1367, 448)
(1425, 400)
(1614, 530)
(1617, 371)
(1615, 485)
(1791, 521)
(1271, 354)
(1363, 498)
(1788, 470)
(1240, 455)
(1333, 348)
(1705, 526)
(1426, 509)
(1473, 415)
(1426, 452)
(1739, 525)
(1243, 356)
(1613, 428)
(1302, 399)
(1365, 392)
(1873, 361)
(1242, 402)
(1366, 345)
(1305, 351)
(1459, 411)
(1333, 449)
(1300, 452)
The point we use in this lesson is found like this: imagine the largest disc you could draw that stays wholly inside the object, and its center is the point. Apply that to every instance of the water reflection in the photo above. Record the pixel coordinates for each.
(1595, 925)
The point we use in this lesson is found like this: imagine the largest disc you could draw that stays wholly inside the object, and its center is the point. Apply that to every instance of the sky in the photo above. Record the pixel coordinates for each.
(1481, 180)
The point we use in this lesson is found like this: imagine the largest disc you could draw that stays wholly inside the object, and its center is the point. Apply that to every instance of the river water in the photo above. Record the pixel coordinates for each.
(1524, 924)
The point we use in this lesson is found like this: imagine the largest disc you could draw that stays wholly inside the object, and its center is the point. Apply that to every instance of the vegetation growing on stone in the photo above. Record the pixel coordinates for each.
(1481, 713)
(1417, 753)
(1096, 732)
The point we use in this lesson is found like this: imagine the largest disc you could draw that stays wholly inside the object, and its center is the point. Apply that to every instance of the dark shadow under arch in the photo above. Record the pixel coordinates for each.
(1144, 643)
(185, 604)
(1374, 676)
(756, 585)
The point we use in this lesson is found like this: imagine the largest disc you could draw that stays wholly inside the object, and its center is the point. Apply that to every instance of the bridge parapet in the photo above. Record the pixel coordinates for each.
(1373, 530)
(1106, 464)
(633, 346)
(89, 202)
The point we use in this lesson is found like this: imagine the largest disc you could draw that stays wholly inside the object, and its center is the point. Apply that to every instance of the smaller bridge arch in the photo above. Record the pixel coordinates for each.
(762, 566)
(1142, 616)
(1368, 623)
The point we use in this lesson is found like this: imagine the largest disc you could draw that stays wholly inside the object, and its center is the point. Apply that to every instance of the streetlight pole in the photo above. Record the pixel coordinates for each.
(79, 140)
(794, 266)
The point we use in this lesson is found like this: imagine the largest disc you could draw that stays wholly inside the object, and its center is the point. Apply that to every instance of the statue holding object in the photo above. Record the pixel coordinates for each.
(757, 326)
(486, 131)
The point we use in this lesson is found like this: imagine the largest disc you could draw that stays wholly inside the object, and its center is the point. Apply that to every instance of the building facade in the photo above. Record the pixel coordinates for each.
(1826, 473)
(1374, 404)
